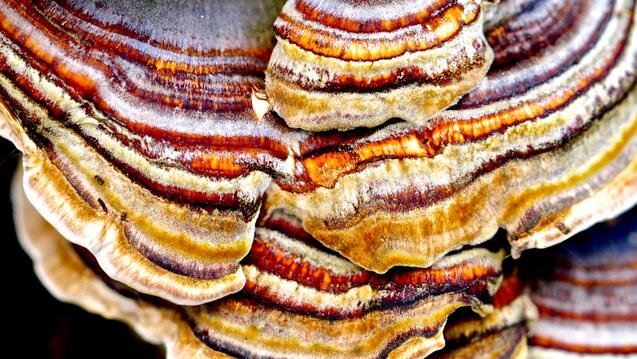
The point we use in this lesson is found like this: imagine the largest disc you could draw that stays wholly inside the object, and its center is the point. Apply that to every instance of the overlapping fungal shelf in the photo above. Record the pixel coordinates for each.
(153, 138)
(348, 64)
(318, 178)
(133, 118)
(588, 301)
(299, 300)
(544, 147)
(66, 271)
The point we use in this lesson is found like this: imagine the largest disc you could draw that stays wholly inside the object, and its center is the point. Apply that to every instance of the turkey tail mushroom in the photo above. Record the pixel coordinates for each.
(190, 174)
(299, 300)
(347, 64)
(116, 107)
(544, 147)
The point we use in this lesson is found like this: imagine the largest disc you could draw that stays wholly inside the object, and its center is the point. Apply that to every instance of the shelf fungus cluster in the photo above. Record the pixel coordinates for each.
(315, 178)
(300, 300)
(543, 147)
(587, 303)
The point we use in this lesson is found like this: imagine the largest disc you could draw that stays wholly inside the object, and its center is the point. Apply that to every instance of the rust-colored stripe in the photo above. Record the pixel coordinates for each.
(594, 282)
(445, 26)
(333, 21)
(510, 289)
(396, 78)
(268, 256)
(326, 168)
(597, 317)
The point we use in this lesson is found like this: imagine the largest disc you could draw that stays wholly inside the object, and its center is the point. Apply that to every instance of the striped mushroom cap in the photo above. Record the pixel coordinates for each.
(300, 299)
(115, 106)
(544, 147)
(72, 275)
(588, 301)
(347, 64)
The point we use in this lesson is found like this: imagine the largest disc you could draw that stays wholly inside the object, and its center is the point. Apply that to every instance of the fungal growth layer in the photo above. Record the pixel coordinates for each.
(347, 64)
(141, 142)
(335, 310)
(543, 147)
(131, 116)
(315, 178)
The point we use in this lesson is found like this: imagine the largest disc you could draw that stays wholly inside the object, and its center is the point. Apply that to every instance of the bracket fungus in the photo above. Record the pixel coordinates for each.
(335, 310)
(543, 147)
(348, 64)
(129, 115)
(315, 178)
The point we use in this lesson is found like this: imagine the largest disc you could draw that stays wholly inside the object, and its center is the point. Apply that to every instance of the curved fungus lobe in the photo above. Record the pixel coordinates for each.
(587, 302)
(283, 311)
(106, 99)
(303, 301)
(347, 64)
(544, 147)
(71, 275)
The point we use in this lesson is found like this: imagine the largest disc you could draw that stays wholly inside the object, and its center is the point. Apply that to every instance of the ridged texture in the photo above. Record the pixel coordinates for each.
(299, 300)
(347, 64)
(501, 334)
(106, 99)
(142, 145)
(588, 302)
(544, 147)
(67, 276)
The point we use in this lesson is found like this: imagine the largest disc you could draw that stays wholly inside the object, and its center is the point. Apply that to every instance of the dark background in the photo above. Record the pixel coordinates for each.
(38, 325)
